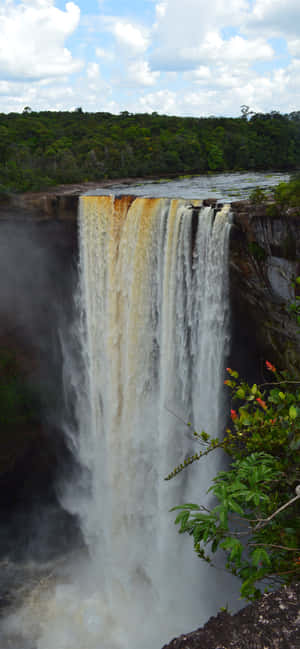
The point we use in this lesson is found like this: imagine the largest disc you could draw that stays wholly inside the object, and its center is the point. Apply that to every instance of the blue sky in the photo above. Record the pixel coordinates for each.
(180, 57)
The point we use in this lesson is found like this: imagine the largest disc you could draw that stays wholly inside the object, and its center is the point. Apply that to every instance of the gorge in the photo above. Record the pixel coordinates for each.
(142, 370)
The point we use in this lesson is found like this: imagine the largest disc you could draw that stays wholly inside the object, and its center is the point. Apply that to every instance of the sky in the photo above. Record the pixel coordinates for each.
(176, 57)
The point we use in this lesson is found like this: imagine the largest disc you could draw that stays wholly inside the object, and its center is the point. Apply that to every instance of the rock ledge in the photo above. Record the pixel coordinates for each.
(271, 623)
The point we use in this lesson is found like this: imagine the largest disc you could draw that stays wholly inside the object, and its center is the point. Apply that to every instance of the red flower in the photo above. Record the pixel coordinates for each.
(270, 367)
(261, 403)
(233, 414)
(226, 382)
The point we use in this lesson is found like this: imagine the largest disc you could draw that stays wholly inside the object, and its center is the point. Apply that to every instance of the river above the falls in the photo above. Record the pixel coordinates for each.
(226, 187)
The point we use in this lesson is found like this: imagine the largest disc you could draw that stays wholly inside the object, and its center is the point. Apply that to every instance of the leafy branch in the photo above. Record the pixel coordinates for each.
(254, 521)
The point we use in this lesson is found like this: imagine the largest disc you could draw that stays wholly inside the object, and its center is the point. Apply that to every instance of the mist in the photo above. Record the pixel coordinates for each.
(38, 275)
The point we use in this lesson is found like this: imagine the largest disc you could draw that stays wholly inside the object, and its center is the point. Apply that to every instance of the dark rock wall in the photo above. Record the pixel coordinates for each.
(38, 275)
(264, 258)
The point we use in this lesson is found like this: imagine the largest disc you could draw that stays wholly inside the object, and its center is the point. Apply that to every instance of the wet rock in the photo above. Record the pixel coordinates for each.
(271, 623)
(210, 202)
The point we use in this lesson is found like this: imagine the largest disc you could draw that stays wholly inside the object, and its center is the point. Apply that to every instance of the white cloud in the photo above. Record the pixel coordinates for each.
(236, 50)
(32, 39)
(130, 38)
(93, 71)
(161, 8)
(294, 47)
(190, 34)
(39, 95)
(202, 73)
(196, 58)
(163, 101)
(239, 49)
(139, 73)
(275, 17)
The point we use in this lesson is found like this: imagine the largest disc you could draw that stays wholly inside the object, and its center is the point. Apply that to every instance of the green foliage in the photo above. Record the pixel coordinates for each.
(294, 308)
(257, 196)
(284, 195)
(39, 149)
(257, 251)
(254, 520)
(288, 194)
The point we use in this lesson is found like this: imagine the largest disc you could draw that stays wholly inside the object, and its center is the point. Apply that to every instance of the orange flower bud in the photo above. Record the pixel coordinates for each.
(270, 367)
(261, 403)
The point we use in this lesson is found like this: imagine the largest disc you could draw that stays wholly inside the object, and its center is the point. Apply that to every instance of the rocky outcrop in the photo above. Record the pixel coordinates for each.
(59, 203)
(264, 259)
(271, 623)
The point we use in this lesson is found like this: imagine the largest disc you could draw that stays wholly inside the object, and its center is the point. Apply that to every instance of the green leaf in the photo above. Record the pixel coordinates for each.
(204, 436)
(247, 587)
(215, 545)
(259, 556)
(245, 418)
(293, 412)
(228, 543)
(182, 518)
(185, 506)
(223, 517)
(235, 507)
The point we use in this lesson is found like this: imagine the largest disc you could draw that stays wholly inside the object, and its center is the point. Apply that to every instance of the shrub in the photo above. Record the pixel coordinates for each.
(254, 521)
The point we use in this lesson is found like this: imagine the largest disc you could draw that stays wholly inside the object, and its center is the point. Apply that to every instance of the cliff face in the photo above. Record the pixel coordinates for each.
(38, 259)
(264, 258)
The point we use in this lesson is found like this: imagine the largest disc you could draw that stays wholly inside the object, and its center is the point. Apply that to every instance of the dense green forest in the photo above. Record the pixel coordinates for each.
(40, 149)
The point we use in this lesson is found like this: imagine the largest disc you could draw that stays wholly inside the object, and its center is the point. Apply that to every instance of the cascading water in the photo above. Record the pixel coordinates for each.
(154, 298)
(154, 334)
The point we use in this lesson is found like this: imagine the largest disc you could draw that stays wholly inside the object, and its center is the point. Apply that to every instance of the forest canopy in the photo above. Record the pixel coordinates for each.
(40, 149)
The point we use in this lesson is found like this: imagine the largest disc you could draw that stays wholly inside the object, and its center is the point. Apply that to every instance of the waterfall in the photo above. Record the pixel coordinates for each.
(153, 333)
(154, 282)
